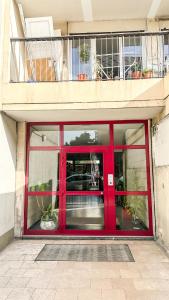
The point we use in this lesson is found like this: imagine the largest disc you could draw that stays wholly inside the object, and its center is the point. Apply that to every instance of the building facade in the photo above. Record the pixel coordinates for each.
(84, 116)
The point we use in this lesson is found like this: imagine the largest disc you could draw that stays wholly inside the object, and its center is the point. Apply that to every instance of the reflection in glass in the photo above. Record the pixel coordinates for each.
(43, 171)
(132, 213)
(77, 135)
(84, 172)
(44, 135)
(130, 170)
(129, 134)
(84, 212)
(43, 212)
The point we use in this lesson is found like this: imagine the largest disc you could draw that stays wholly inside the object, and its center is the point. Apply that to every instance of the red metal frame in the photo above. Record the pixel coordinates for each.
(109, 192)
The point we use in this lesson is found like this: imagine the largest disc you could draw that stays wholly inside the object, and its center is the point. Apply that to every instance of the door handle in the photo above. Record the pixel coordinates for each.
(110, 180)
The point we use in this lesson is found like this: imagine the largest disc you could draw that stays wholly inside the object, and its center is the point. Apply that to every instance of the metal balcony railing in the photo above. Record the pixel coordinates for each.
(90, 57)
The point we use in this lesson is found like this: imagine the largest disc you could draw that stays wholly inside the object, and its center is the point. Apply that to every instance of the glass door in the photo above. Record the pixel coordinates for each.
(84, 190)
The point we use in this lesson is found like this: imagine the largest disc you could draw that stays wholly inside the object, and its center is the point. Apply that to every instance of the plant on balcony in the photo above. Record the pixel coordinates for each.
(84, 53)
(84, 59)
(136, 71)
(147, 73)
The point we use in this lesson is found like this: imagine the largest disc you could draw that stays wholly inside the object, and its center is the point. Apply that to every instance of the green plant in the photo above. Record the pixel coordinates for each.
(145, 71)
(136, 67)
(84, 53)
(49, 214)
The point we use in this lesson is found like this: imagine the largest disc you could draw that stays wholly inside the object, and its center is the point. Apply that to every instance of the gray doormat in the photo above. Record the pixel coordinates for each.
(85, 253)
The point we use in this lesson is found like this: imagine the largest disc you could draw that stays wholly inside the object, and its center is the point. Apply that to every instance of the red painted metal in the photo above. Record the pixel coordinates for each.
(109, 192)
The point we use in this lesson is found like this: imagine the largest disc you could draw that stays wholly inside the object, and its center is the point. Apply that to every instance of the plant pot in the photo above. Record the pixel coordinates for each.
(48, 225)
(148, 74)
(137, 74)
(82, 76)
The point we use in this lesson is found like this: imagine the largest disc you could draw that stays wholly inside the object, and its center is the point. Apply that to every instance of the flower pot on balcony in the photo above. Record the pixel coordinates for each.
(82, 76)
(148, 74)
(136, 74)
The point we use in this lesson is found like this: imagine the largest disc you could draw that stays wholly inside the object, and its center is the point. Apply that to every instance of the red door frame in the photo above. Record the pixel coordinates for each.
(109, 191)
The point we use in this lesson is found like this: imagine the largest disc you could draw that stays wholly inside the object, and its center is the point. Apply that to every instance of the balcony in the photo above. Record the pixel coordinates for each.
(94, 57)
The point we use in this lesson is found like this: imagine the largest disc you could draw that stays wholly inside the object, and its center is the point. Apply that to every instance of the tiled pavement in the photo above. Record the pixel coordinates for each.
(22, 278)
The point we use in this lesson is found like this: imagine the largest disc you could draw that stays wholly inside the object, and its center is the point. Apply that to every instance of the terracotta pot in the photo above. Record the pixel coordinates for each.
(82, 76)
(136, 74)
(148, 74)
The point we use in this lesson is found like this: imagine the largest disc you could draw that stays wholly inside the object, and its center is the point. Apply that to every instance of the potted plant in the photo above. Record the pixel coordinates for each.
(136, 71)
(147, 73)
(84, 59)
(84, 53)
(49, 218)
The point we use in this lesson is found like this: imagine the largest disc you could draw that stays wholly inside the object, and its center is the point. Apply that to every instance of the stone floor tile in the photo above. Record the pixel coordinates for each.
(94, 294)
(68, 283)
(17, 282)
(123, 283)
(3, 281)
(152, 284)
(113, 294)
(67, 294)
(39, 282)
(15, 272)
(43, 294)
(101, 284)
(129, 273)
(4, 292)
(20, 294)
(146, 295)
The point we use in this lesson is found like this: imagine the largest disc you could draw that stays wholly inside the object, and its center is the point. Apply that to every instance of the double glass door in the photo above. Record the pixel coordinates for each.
(88, 183)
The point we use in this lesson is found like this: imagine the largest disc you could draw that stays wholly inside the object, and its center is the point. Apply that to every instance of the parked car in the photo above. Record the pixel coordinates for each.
(80, 182)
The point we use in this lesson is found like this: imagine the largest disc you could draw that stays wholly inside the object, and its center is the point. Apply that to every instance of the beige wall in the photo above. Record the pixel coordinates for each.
(161, 176)
(7, 173)
(20, 178)
(161, 170)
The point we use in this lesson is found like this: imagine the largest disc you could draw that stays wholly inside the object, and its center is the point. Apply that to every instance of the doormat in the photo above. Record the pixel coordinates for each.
(86, 253)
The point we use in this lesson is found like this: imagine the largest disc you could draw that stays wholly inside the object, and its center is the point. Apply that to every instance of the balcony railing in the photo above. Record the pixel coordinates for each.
(90, 57)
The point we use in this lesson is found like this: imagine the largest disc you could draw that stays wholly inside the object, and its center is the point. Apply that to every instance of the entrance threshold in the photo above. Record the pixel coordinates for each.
(68, 237)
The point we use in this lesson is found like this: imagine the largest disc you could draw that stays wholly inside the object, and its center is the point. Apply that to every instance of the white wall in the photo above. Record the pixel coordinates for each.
(7, 173)
(1, 22)
(161, 183)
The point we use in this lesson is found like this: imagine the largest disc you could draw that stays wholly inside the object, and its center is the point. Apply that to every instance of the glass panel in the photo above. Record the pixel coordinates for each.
(76, 135)
(44, 135)
(132, 213)
(84, 172)
(129, 134)
(43, 171)
(130, 170)
(43, 212)
(84, 212)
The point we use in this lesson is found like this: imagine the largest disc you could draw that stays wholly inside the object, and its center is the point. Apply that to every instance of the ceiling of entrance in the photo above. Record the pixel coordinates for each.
(94, 10)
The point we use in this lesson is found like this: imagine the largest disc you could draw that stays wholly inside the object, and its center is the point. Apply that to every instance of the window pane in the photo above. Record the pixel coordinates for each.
(84, 212)
(130, 170)
(84, 172)
(43, 212)
(129, 134)
(43, 171)
(132, 213)
(76, 135)
(44, 135)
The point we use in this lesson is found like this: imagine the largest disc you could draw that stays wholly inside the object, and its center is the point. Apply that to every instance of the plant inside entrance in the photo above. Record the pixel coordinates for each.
(49, 215)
